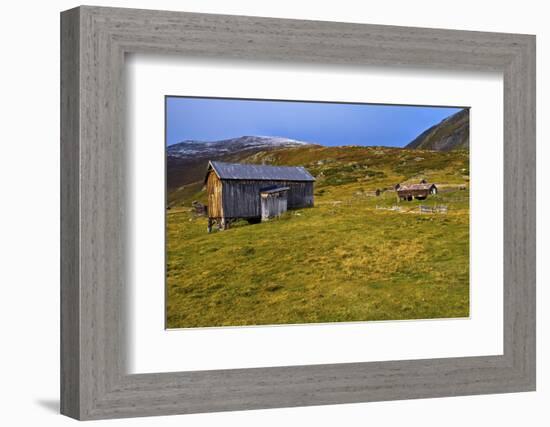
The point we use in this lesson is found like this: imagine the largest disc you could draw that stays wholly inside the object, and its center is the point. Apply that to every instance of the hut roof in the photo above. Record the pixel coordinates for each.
(410, 187)
(260, 172)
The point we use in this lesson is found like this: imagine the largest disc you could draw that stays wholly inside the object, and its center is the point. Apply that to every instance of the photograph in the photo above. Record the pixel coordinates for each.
(294, 212)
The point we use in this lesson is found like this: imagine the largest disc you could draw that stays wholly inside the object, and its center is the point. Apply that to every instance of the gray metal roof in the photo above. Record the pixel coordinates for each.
(260, 172)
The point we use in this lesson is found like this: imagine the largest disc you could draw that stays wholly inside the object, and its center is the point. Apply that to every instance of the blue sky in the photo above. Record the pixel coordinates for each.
(211, 119)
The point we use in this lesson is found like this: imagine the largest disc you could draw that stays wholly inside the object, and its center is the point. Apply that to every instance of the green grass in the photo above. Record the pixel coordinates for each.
(342, 260)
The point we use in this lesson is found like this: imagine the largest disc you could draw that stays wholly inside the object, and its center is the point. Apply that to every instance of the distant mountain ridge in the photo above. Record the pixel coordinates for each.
(215, 149)
(452, 133)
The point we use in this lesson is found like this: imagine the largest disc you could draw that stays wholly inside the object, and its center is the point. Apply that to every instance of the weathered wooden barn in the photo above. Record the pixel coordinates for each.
(238, 191)
(415, 191)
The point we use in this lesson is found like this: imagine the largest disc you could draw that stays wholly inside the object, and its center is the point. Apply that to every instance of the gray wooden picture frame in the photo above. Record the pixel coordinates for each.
(94, 381)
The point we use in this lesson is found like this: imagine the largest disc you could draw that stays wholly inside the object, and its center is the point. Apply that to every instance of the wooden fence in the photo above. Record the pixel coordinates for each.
(433, 209)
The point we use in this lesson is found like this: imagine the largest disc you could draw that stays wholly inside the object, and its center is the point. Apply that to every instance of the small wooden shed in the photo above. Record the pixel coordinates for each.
(233, 190)
(274, 202)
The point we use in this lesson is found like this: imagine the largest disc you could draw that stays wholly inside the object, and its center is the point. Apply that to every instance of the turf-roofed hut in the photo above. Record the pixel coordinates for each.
(235, 191)
(415, 191)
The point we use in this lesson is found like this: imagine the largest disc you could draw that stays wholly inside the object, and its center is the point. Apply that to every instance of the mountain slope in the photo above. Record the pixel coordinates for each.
(453, 133)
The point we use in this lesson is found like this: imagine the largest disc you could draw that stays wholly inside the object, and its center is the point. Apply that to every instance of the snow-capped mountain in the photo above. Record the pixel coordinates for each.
(215, 149)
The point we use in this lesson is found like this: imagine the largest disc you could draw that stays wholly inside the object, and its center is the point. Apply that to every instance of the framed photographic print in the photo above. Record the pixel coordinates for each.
(262, 213)
(372, 199)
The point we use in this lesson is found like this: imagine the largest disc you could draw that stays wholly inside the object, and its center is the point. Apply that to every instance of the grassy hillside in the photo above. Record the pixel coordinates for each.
(350, 258)
(369, 167)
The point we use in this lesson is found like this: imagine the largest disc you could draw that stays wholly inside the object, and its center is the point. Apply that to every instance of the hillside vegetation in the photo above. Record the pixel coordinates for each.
(352, 257)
